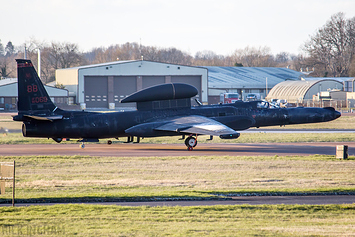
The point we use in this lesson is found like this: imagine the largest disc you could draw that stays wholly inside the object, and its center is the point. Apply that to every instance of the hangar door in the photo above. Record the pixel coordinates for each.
(148, 81)
(96, 88)
(123, 86)
(191, 80)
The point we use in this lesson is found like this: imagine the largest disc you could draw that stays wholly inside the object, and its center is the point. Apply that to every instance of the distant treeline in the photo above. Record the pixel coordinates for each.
(328, 53)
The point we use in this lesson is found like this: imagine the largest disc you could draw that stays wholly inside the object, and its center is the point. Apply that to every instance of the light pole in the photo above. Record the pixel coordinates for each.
(39, 63)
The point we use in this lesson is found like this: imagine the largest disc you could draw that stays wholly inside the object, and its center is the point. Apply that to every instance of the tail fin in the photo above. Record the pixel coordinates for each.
(32, 96)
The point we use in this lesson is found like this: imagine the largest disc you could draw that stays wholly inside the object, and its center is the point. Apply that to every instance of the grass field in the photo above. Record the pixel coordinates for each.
(84, 178)
(77, 178)
(245, 220)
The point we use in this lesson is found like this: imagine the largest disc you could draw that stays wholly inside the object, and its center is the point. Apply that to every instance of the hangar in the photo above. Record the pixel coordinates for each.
(105, 85)
(303, 90)
(9, 94)
(244, 80)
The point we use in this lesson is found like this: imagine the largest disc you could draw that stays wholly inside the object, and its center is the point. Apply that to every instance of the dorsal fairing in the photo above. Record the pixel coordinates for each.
(165, 96)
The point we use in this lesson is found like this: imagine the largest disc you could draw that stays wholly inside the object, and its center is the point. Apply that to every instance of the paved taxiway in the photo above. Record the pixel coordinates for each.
(213, 149)
(249, 200)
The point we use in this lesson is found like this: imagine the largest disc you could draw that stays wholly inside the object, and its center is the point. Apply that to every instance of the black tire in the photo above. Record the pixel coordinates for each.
(189, 141)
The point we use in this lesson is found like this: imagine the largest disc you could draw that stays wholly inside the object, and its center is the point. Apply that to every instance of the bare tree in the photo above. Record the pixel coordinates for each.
(210, 58)
(150, 53)
(64, 55)
(174, 55)
(5, 67)
(47, 68)
(129, 51)
(96, 55)
(282, 58)
(254, 57)
(32, 46)
(54, 56)
(333, 45)
(134, 51)
(352, 68)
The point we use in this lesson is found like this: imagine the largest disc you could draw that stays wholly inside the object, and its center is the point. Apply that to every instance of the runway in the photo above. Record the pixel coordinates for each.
(146, 150)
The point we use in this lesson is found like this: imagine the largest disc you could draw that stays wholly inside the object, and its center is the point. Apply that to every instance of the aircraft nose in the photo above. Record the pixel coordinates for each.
(337, 114)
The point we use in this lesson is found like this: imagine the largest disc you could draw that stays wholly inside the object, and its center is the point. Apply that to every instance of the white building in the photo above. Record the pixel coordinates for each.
(105, 85)
(9, 94)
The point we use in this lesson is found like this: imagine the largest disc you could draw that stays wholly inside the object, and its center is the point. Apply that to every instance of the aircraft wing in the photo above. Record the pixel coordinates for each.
(195, 124)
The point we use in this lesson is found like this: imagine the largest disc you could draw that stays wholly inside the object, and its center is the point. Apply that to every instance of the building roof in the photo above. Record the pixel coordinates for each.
(291, 89)
(249, 77)
(99, 65)
(121, 62)
(340, 79)
(7, 81)
(8, 87)
(294, 90)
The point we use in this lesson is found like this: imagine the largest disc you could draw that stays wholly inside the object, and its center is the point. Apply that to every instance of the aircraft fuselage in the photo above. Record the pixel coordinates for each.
(80, 124)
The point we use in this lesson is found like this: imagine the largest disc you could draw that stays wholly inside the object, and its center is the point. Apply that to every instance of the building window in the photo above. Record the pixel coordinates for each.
(261, 91)
(2, 100)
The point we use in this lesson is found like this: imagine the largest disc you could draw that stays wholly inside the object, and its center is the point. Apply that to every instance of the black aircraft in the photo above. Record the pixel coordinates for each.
(162, 110)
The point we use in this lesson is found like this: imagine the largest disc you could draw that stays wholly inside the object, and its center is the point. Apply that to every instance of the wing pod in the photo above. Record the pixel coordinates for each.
(230, 136)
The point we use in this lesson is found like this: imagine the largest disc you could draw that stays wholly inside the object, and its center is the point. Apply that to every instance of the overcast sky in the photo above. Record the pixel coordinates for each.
(221, 26)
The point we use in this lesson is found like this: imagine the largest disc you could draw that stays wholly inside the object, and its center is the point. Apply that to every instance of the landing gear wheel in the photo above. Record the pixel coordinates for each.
(190, 142)
(109, 142)
(82, 146)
